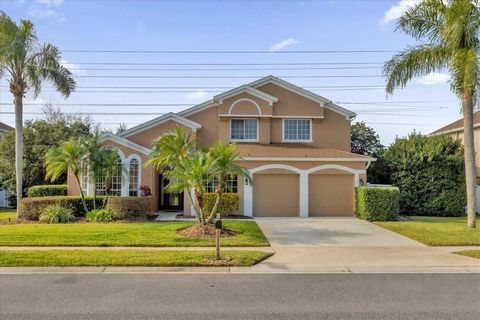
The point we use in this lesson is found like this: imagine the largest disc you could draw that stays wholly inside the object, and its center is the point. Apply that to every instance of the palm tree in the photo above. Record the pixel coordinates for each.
(225, 161)
(109, 162)
(94, 155)
(27, 64)
(61, 159)
(191, 174)
(449, 33)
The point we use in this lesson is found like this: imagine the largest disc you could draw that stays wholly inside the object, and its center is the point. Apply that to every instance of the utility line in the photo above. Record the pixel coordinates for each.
(227, 51)
(226, 64)
(222, 77)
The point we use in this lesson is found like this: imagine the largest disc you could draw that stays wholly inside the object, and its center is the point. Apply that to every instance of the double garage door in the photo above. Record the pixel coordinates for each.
(278, 195)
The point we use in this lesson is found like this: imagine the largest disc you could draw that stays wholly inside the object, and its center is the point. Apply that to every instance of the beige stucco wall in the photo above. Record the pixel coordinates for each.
(146, 137)
(476, 136)
(245, 107)
(208, 118)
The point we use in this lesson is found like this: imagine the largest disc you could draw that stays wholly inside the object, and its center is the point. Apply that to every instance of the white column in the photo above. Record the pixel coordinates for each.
(125, 179)
(248, 198)
(357, 179)
(303, 194)
(192, 206)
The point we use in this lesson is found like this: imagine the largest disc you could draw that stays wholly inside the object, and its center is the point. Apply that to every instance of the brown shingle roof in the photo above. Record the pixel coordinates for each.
(4, 127)
(292, 150)
(457, 125)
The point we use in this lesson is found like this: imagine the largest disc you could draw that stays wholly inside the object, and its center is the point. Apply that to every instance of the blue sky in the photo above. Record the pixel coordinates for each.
(277, 26)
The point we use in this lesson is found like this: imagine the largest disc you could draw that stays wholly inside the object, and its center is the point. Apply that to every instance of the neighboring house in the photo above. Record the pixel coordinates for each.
(4, 193)
(295, 143)
(455, 130)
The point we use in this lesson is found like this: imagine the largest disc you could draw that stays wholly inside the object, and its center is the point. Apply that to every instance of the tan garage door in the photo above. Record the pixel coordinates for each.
(331, 195)
(276, 195)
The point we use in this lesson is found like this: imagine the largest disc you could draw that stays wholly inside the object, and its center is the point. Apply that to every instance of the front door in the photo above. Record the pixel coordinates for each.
(169, 200)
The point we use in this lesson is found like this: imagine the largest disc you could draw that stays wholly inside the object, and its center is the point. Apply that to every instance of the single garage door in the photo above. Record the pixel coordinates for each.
(276, 195)
(331, 195)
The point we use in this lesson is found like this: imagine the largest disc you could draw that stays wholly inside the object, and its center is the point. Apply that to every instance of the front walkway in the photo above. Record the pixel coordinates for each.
(350, 245)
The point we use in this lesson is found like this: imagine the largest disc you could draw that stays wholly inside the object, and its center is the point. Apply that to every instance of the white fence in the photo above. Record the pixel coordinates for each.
(4, 194)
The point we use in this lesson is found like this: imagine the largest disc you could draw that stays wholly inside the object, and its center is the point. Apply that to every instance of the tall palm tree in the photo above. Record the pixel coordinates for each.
(27, 64)
(449, 32)
(94, 155)
(68, 156)
(109, 163)
(225, 164)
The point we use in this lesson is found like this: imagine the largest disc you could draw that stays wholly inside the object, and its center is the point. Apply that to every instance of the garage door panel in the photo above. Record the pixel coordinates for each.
(276, 195)
(331, 195)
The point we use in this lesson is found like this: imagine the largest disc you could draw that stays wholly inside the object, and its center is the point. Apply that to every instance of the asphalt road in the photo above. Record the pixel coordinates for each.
(169, 296)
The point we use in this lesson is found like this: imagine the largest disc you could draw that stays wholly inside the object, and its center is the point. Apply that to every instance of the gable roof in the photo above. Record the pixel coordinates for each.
(159, 120)
(326, 103)
(5, 128)
(245, 89)
(125, 142)
(457, 126)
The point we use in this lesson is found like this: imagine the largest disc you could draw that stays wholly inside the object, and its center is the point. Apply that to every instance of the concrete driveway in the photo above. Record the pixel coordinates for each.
(350, 245)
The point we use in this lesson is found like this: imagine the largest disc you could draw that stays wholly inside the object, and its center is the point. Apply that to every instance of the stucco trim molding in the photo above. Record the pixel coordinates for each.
(125, 142)
(245, 89)
(304, 175)
(159, 120)
(309, 159)
(244, 100)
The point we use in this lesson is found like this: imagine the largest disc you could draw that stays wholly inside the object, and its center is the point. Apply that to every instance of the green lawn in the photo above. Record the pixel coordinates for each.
(151, 258)
(436, 231)
(469, 253)
(154, 234)
(7, 213)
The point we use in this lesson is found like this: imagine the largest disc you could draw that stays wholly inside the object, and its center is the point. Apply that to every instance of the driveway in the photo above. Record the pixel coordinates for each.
(350, 245)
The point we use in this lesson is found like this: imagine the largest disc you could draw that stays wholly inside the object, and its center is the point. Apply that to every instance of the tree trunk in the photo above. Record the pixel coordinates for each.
(197, 211)
(82, 195)
(219, 192)
(470, 166)
(18, 101)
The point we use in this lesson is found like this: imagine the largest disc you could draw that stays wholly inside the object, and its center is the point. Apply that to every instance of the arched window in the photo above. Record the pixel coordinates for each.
(133, 178)
(116, 183)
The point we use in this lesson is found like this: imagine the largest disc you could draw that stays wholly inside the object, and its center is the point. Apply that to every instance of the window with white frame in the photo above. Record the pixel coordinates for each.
(231, 184)
(297, 130)
(116, 186)
(243, 130)
(133, 177)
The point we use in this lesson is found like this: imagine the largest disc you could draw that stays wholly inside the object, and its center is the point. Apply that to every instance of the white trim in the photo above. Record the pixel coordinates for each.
(324, 102)
(307, 159)
(242, 140)
(268, 116)
(159, 120)
(124, 142)
(310, 140)
(248, 100)
(124, 171)
(245, 89)
(304, 175)
(298, 117)
(456, 130)
(139, 178)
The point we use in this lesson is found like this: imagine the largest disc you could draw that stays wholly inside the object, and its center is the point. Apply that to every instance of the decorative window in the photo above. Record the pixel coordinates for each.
(133, 177)
(116, 188)
(84, 176)
(297, 130)
(244, 130)
(231, 186)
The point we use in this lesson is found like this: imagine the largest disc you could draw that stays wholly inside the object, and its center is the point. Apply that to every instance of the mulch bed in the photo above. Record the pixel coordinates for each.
(206, 231)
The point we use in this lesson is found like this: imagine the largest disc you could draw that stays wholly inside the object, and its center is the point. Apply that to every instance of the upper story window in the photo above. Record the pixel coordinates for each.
(244, 130)
(298, 130)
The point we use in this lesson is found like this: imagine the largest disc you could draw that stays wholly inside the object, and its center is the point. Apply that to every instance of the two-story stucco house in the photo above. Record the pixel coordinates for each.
(295, 143)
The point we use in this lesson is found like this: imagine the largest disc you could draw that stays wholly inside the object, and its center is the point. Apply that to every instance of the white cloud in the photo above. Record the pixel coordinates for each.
(283, 44)
(50, 2)
(43, 13)
(397, 10)
(74, 68)
(434, 78)
(197, 94)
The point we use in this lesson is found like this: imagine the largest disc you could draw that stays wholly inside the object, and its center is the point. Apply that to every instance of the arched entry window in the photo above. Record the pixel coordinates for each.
(116, 183)
(133, 178)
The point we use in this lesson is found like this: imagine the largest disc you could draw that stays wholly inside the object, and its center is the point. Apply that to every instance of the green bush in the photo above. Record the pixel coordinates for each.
(229, 203)
(101, 215)
(30, 208)
(377, 203)
(47, 190)
(130, 206)
(55, 213)
(429, 171)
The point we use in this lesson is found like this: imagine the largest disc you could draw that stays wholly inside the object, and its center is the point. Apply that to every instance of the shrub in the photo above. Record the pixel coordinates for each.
(55, 213)
(377, 203)
(229, 203)
(47, 190)
(30, 208)
(429, 171)
(101, 215)
(129, 206)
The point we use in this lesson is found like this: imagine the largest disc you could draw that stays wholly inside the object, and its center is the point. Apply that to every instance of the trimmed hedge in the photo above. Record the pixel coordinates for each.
(101, 215)
(30, 208)
(130, 206)
(47, 190)
(229, 203)
(377, 203)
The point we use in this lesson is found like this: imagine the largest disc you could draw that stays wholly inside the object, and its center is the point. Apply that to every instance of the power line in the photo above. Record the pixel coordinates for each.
(226, 64)
(227, 51)
(223, 77)
(225, 69)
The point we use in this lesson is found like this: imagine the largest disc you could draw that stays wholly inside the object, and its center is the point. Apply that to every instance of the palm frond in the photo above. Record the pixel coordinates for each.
(424, 20)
